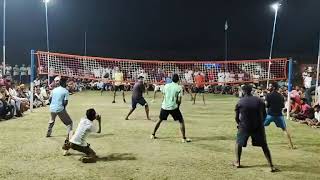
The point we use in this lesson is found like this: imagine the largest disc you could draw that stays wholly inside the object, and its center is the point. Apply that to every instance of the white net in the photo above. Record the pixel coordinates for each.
(156, 71)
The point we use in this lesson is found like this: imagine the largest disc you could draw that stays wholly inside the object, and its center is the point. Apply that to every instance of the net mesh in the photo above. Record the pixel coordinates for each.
(155, 71)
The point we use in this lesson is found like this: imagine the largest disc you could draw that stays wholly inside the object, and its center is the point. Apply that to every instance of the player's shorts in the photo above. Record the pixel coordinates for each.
(158, 87)
(199, 90)
(258, 138)
(176, 114)
(120, 87)
(278, 120)
(140, 101)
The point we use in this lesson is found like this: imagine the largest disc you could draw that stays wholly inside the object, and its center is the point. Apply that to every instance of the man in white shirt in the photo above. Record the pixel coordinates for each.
(307, 81)
(78, 140)
(8, 70)
(16, 73)
(221, 78)
(23, 73)
(240, 76)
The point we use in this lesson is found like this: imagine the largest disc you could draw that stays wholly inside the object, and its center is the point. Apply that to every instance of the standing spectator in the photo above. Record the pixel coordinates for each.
(8, 70)
(307, 81)
(23, 74)
(16, 73)
(29, 73)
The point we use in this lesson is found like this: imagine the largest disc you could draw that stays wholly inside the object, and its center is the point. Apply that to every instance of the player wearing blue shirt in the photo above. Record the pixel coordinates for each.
(58, 102)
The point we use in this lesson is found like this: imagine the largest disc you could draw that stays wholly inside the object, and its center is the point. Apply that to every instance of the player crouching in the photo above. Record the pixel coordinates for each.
(78, 140)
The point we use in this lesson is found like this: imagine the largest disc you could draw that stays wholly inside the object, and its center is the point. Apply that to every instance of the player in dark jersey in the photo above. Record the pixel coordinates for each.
(137, 97)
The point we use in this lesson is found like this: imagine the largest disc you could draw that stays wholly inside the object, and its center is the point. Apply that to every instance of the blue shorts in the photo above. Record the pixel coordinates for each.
(278, 120)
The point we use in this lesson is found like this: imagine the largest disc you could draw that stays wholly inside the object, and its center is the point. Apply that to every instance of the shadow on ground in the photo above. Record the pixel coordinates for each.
(117, 157)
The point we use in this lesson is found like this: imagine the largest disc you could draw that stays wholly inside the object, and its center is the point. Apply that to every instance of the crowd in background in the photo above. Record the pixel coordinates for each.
(15, 95)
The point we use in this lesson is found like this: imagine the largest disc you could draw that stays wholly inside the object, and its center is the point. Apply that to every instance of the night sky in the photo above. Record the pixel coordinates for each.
(163, 29)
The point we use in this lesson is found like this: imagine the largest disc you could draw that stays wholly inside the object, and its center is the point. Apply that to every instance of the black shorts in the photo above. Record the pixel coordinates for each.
(258, 138)
(199, 90)
(120, 87)
(140, 101)
(176, 114)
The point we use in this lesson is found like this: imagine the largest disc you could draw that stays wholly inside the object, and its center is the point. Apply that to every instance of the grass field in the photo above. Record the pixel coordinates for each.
(126, 152)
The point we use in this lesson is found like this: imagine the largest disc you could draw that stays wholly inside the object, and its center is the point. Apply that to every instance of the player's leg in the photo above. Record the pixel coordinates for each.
(90, 157)
(103, 88)
(134, 106)
(280, 122)
(163, 116)
(65, 118)
(123, 95)
(238, 152)
(195, 97)
(267, 154)
(144, 103)
(115, 89)
(177, 116)
(242, 139)
(51, 123)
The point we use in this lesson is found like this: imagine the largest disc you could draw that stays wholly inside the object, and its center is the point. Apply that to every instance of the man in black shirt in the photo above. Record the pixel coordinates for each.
(250, 114)
(275, 104)
(137, 97)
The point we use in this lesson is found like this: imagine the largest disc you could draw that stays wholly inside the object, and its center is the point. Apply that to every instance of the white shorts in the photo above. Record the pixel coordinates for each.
(158, 87)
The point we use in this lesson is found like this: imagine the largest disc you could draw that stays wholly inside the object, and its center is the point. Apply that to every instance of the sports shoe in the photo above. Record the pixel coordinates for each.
(186, 140)
(124, 101)
(113, 101)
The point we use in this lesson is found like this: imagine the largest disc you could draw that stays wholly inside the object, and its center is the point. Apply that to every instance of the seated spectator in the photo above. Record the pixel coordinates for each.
(17, 100)
(6, 109)
(305, 111)
(294, 107)
(315, 121)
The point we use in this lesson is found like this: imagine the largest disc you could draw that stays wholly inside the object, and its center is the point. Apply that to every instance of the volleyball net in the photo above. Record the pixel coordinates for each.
(155, 71)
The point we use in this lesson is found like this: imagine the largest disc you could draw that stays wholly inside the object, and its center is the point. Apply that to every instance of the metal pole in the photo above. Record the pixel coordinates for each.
(318, 67)
(271, 47)
(32, 80)
(289, 86)
(4, 37)
(48, 47)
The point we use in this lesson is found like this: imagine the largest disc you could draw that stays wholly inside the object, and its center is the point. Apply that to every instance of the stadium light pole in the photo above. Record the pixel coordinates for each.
(4, 38)
(48, 44)
(275, 7)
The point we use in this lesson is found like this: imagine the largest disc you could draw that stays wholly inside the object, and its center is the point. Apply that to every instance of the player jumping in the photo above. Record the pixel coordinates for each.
(118, 84)
(170, 106)
(137, 97)
(78, 140)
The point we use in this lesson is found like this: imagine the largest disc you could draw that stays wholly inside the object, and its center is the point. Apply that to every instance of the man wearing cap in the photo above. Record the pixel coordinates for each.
(250, 115)
(58, 102)
(137, 97)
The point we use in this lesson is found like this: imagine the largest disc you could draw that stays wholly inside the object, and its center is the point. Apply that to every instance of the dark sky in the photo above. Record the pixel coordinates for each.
(163, 29)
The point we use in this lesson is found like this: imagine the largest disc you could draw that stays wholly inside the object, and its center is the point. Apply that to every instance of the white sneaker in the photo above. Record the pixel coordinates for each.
(187, 140)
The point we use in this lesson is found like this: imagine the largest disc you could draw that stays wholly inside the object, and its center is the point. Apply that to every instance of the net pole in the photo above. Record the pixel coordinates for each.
(289, 86)
(4, 38)
(32, 79)
(318, 67)
(48, 44)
